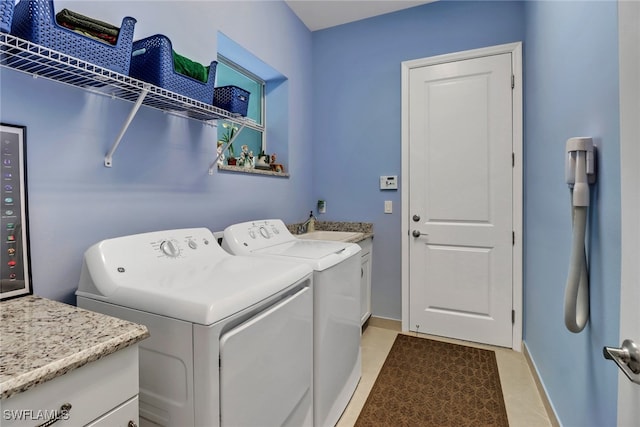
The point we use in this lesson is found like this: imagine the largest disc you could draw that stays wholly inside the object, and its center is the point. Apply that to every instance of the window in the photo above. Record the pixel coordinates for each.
(229, 73)
(268, 102)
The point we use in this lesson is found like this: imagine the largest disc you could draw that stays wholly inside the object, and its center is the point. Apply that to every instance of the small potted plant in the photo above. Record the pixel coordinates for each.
(226, 137)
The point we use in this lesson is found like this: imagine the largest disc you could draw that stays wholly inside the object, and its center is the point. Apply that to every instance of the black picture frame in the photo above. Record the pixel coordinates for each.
(15, 267)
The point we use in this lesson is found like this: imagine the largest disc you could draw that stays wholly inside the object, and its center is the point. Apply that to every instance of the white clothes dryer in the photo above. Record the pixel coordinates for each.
(336, 296)
(231, 336)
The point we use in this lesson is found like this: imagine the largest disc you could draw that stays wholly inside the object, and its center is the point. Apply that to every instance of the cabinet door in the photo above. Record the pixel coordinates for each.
(365, 281)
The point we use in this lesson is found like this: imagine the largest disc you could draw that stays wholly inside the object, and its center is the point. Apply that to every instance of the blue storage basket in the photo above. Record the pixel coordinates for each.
(232, 98)
(6, 15)
(153, 63)
(36, 21)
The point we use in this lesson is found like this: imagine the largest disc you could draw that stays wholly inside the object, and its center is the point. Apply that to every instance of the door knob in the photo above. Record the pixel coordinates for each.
(627, 358)
(416, 218)
(417, 233)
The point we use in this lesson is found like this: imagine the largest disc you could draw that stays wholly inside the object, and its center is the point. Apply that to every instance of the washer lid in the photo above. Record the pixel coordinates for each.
(319, 254)
(307, 249)
(197, 282)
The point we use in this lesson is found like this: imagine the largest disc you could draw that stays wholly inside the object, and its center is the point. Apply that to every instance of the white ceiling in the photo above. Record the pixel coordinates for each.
(320, 14)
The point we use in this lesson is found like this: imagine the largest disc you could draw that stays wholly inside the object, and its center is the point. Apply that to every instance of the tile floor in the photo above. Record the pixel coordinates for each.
(524, 405)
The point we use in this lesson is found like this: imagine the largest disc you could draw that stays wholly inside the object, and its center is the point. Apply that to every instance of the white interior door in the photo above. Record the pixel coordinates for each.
(629, 16)
(460, 170)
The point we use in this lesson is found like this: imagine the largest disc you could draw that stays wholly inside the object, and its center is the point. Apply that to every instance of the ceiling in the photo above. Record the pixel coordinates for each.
(320, 14)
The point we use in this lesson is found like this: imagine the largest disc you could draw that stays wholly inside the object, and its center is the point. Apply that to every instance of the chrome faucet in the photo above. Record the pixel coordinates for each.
(304, 227)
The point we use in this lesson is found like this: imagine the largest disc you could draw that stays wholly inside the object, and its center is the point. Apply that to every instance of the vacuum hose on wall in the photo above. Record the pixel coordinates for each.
(579, 173)
(576, 294)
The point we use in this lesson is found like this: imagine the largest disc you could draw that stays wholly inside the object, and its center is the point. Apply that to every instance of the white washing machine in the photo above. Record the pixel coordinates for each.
(336, 295)
(231, 336)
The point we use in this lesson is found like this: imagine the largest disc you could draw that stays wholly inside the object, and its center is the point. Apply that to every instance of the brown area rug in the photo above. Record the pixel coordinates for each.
(431, 383)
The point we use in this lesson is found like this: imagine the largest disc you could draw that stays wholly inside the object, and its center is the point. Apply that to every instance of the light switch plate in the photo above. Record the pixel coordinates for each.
(388, 206)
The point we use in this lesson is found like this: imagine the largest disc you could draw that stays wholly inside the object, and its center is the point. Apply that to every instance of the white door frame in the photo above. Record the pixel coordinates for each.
(629, 37)
(516, 50)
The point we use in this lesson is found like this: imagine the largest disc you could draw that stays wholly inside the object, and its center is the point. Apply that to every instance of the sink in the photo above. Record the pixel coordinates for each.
(340, 236)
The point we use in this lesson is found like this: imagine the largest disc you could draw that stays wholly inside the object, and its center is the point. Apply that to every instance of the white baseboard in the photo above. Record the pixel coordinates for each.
(383, 322)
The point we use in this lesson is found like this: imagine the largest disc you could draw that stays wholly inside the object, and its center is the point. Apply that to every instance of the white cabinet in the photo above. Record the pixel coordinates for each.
(100, 393)
(365, 279)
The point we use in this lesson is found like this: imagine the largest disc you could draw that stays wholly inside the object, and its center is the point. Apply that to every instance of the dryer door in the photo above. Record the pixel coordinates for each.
(266, 366)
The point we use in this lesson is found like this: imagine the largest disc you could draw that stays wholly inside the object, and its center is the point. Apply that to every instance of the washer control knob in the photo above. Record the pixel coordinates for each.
(169, 249)
(192, 244)
(264, 232)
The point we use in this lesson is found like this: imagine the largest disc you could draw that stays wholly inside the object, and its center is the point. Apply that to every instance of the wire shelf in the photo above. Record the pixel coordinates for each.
(38, 61)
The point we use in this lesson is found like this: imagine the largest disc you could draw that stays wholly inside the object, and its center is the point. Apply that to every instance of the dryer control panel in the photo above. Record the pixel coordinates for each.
(246, 237)
(148, 258)
(184, 245)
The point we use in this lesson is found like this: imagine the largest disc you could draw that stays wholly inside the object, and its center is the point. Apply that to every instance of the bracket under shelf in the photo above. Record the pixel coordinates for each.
(224, 148)
(108, 160)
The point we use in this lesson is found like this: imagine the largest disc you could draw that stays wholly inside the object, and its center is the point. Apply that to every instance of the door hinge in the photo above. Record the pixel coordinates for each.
(513, 316)
(513, 160)
(513, 81)
(513, 238)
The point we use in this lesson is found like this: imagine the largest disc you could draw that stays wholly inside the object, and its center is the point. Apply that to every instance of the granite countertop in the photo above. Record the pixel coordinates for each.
(366, 228)
(41, 339)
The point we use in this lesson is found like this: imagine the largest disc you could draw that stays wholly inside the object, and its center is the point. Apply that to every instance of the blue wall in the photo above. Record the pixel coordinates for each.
(159, 178)
(571, 89)
(356, 108)
(344, 132)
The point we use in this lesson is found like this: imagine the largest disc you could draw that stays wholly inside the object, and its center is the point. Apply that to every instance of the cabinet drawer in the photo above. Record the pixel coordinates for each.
(126, 415)
(92, 391)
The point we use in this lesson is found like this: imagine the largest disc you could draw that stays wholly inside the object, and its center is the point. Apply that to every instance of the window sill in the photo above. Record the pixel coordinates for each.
(240, 169)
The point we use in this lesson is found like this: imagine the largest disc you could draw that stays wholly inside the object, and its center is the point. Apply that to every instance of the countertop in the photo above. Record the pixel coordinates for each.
(366, 228)
(41, 339)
